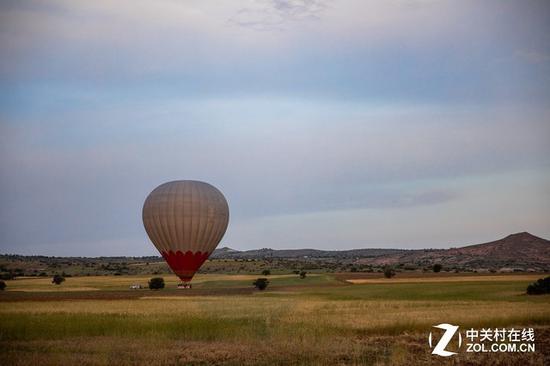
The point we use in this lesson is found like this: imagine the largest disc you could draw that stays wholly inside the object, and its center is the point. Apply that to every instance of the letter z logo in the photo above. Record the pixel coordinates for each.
(450, 331)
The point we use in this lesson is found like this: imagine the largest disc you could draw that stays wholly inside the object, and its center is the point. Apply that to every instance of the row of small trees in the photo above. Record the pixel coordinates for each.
(389, 272)
(262, 283)
(302, 274)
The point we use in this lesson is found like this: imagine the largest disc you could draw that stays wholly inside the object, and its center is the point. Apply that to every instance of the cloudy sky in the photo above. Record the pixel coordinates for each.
(326, 124)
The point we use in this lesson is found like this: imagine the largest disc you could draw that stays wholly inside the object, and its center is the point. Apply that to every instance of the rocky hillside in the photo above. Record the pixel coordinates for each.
(517, 251)
(521, 250)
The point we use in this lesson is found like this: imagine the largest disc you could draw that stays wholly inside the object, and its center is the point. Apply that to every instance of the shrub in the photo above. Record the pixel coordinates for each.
(156, 283)
(389, 272)
(6, 276)
(437, 267)
(266, 272)
(541, 287)
(58, 279)
(303, 274)
(2, 285)
(261, 283)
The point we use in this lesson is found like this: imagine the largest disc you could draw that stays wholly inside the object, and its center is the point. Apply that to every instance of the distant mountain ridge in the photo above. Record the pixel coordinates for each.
(301, 253)
(517, 252)
(521, 250)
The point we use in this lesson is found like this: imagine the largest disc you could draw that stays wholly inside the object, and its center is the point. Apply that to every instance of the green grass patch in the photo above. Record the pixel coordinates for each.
(59, 326)
(441, 291)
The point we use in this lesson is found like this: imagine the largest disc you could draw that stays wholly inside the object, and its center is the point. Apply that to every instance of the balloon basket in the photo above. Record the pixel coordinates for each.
(184, 286)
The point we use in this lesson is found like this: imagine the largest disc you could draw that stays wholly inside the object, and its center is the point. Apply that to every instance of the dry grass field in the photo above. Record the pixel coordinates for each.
(319, 320)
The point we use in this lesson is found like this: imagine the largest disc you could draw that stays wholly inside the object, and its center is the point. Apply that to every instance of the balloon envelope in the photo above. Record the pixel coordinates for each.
(185, 220)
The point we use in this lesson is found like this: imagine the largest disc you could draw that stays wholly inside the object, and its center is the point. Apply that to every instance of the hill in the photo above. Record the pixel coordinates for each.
(517, 251)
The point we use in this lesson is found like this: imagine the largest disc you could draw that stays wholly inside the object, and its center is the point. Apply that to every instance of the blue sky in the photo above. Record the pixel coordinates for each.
(326, 124)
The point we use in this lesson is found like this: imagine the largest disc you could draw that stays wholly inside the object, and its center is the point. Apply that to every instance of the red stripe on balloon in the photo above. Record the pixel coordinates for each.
(185, 265)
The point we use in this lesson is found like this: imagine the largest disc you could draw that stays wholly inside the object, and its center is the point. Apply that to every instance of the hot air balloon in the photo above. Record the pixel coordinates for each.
(185, 220)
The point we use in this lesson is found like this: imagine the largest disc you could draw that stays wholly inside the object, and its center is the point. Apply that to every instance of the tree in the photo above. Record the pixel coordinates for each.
(437, 267)
(2, 285)
(156, 283)
(58, 279)
(303, 274)
(541, 287)
(389, 272)
(261, 283)
(266, 272)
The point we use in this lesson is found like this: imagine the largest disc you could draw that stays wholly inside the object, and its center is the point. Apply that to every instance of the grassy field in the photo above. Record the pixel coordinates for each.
(323, 319)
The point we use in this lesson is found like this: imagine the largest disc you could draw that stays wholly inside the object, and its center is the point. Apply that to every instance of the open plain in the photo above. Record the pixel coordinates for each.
(327, 319)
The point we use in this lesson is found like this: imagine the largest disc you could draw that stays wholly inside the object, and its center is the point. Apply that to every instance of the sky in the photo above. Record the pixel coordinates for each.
(326, 124)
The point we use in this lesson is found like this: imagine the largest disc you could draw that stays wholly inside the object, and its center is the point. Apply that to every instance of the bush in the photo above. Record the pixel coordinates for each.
(303, 274)
(261, 283)
(437, 267)
(266, 272)
(156, 283)
(389, 272)
(541, 287)
(6, 276)
(58, 279)
(2, 285)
